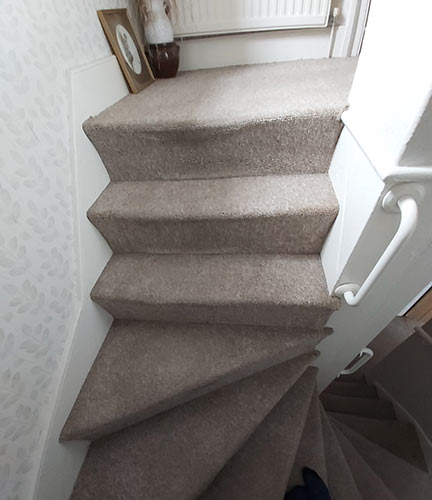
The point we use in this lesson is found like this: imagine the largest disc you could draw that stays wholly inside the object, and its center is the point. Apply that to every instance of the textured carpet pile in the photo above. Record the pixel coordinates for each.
(217, 210)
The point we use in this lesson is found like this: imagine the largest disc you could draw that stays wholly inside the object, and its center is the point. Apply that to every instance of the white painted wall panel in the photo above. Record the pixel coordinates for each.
(357, 240)
(391, 88)
(357, 187)
(393, 83)
(62, 461)
(253, 48)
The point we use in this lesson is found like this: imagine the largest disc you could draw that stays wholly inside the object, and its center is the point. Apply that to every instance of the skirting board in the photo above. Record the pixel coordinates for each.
(254, 48)
(92, 88)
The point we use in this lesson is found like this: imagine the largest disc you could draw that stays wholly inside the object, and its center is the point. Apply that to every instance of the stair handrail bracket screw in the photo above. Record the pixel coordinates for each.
(401, 198)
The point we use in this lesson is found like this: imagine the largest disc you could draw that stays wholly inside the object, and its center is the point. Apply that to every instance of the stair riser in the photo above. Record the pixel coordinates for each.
(228, 314)
(345, 389)
(278, 147)
(286, 235)
(378, 409)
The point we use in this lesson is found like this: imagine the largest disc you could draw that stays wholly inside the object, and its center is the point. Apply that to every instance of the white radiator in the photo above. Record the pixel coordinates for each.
(213, 17)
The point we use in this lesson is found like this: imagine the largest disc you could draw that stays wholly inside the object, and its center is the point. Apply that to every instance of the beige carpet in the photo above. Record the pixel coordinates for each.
(218, 210)
(272, 119)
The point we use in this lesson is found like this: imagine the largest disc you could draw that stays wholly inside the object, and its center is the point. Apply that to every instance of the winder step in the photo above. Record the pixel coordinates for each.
(145, 368)
(177, 453)
(399, 438)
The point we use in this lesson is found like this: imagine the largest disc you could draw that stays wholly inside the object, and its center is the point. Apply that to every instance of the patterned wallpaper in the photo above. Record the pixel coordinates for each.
(39, 41)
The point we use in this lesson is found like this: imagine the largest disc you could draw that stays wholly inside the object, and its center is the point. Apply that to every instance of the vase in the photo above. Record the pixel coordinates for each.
(163, 52)
(164, 59)
(158, 28)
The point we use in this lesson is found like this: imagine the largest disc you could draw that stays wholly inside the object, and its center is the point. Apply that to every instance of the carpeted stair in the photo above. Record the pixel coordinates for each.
(273, 119)
(384, 454)
(289, 214)
(217, 211)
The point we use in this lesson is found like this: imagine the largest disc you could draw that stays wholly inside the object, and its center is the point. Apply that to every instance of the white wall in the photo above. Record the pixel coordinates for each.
(388, 111)
(357, 187)
(394, 76)
(39, 294)
(418, 151)
(277, 46)
(253, 48)
(355, 243)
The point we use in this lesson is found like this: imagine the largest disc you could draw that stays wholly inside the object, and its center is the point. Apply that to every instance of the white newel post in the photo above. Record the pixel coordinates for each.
(385, 144)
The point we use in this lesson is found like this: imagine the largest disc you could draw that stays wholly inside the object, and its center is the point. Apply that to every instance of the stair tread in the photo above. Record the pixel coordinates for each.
(369, 484)
(404, 480)
(237, 94)
(176, 454)
(269, 290)
(352, 389)
(271, 119)
(397, 437)
(310, 452)
(218, 198)
(366, 407)
(260, 469)
(277, 214)
(145, 368)
(341, 483)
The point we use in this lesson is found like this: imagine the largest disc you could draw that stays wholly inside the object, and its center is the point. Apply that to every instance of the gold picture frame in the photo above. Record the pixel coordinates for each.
(124, 43)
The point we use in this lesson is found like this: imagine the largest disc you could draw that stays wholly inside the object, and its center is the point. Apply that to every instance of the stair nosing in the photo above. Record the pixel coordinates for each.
(302, 206)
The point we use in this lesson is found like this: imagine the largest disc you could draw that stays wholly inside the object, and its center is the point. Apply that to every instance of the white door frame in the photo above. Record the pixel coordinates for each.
(355, 16)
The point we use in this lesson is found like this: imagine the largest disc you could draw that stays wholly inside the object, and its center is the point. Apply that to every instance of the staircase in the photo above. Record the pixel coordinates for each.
(218, 207)
(384, 455)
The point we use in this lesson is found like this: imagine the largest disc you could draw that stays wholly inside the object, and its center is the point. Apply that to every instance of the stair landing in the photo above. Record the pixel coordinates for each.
(269, 119)
(235, 95)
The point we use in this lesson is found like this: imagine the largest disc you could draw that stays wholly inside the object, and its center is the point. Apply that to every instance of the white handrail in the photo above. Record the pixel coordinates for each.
(365, 355)
(409, 217)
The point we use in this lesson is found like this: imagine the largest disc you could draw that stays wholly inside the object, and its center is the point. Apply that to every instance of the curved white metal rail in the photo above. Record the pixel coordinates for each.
(365, 355)
(407, 205)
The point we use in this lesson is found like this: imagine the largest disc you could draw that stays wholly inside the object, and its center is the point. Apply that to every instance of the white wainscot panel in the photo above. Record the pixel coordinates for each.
(92, 88)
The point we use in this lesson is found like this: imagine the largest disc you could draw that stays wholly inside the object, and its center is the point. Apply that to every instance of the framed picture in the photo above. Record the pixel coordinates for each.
(124, 43)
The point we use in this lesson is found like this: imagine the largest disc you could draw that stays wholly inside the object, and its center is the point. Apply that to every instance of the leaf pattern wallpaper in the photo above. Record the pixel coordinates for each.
(39, 41)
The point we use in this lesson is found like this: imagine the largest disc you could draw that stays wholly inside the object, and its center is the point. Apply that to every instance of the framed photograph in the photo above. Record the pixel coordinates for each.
(124, 43)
